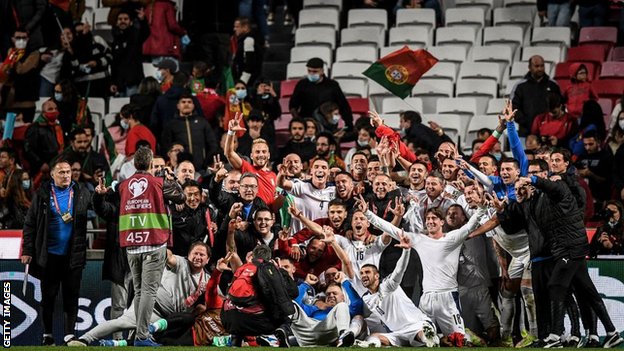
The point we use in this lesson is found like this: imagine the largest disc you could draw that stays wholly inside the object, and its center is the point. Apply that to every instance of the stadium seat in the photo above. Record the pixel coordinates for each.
(398, 105)
(441, 70)
(283, 122)
(362, 36)
(392, 120)
(366, 54)
(587, 53)
(349, 70)
(492, 53)
(410, 35)
(514, 3)
(486, 5)
(465, 17)
(479, 70)
(604, 36)
(359, 106)
(316, 36)
(416, 17)
(616, 54)
(377, 94)
(337, 4)
(368, 18)
(287, 87)
(609, 89)
(477, 123)
(390, 49)
(39, 104)
(463, 106)
(100, 19)
(431, 90)
(612, 70)
(149, 70)
(284, 102)
(460, 36)
(520, 68)
(512, 36)
(97, 107)
(92, 4)
(495, 107)
(87, 16)
(116, 103)
(319, 18)
(558, 36)
(550, 54)
(562, 71)
(607, 108)
(353, 87)
(481, 89)
(299, 70)
(453, 125)
(513, 17)
(454, 54)
(304, 53)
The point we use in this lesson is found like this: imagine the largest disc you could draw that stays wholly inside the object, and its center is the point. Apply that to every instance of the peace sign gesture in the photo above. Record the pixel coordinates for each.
(235, 123)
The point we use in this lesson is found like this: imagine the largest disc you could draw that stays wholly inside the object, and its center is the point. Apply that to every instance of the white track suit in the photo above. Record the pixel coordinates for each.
(440, 261)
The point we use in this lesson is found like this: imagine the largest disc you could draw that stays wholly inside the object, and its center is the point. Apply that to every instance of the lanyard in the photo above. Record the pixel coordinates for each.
(56, 205)
(209, 225)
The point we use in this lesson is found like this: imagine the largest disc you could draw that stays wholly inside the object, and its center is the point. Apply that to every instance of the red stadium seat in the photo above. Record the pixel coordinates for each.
(284, 104)
(587, 53)
(563, 83)
(612, 70)
(562, 71)
(609, 89)
(607, 107)
(282, 122)
(359, 106)
(287, 87)
(603, 36)
(617, 54)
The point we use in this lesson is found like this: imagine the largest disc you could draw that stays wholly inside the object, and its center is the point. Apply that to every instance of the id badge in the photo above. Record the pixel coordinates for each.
(67, 217)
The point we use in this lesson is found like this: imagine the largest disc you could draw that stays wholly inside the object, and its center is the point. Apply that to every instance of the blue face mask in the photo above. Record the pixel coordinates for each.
(314, 77)
(26, 184)
(497, 156)
(241, 94)
(124, 124)
(58, 96)
(159, 76)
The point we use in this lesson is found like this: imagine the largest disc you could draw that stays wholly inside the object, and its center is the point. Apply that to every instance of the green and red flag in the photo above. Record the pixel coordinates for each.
(399, 71)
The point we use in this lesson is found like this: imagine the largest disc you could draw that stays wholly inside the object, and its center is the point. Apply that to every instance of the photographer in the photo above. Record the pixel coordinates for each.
(608, 238)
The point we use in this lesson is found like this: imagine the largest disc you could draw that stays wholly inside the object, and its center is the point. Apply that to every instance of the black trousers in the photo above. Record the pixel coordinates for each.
(540, 275)
(57, 274)
(246, 324)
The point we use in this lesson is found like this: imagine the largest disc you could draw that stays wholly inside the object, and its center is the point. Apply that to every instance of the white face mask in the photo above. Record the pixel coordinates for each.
(125, 125)
(621, 123)
(21, 44)
(159, 76)
(363, 143)
(335, 119)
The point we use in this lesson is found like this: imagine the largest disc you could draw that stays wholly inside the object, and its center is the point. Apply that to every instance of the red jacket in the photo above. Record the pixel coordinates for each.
(165, 32)
(578, 92)
(562, 128)
(139, 132)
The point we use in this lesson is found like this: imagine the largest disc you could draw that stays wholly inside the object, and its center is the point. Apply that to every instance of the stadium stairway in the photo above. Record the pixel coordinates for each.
(277, 55)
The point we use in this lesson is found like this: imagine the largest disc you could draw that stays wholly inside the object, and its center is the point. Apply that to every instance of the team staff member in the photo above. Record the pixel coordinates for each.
(144, 230)
(55, 243)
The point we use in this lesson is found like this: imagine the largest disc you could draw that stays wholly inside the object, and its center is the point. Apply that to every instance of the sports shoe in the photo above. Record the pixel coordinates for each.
(552, 342)
(430, 338)
(474, 339)
(47, 341)
(267, 341)
(282, 334)
(456, 339)
(113, 343)
(157, 326)
(271, 19)
(346, 339)
(77, 343)
(573, 342)
(613, 339)
(527, 341)
(149, 342)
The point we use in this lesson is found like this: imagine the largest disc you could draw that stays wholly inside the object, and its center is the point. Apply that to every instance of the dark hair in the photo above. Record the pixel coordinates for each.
(510, 160)
(592, 134)
(360, 153)
(567, 155)
(436, 212)
(436, 174)
(200, 243)
(149, 86)
(484, 131)
(328, 107)
(297, 120)
(75, 132)
(10, 152)
(59, 161)
(418, 162)
(262, 209)
(200, 66)
(420, 151)
(142, 143)
(491, 157)
(262, 252)
(344, 174)
(368, 265)
(412, 116)
(593, 114)
(142, 158)
(180, 79)
(553, 100)
(129, 111)
(190, 183)
(374, 158)
(330, 139)
(337, 201)
(244, 21)
(543, 165)
(70, 94)
(474, 142)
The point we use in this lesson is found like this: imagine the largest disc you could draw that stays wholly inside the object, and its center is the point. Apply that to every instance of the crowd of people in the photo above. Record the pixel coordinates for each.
(217, 235)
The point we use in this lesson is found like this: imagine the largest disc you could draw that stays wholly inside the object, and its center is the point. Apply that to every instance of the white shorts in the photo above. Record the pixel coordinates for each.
(405, 337)
(517, 266)
(444, 310)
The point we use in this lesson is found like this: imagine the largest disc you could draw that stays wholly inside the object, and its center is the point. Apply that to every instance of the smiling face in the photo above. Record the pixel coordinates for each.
(198, 257)
(473, 195)
(193, 196)
(381, 186)
(248, 189)
(449, 168)
(372, 170)
(320, 173)
(557, 163)
(487, 165)
(337, 214)
(360, 225)
(295, 165)
(417, 174)
(260, 154)
(263, 221)
(433, 187)
(344, 186)
(433, 223)
(358, 165)
(446, 150)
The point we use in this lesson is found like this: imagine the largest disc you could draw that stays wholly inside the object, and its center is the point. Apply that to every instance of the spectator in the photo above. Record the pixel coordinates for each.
(312, 129)
(593, 13)
(44, 139)
(316, 89)
(172, 155)
(203, 86)
(136, 131)
(267, 101)
(244, 238)
(27, 14)
(119, 134)
(256, 129)
(596, 167)
(591, 120)
(616, 135)
(188, 127)
(577, 93)
(297, 143)
(421, 135)
(246, 54)
(86, 62)
(255, 11)
(185, 172)
(365, 138)
(328, 116)
(190, 223)
(609, 237)
(237, 100)
(52, 60)
(14, 202)
(166, 36)
(128, 38)
(69, 104)
(558, 12)
(22, 66)
(166, 71)
(94, 165)
(555, 127)
(527, 96)
(328, 149)
(55, 244)
(145, 99)
(130, 6)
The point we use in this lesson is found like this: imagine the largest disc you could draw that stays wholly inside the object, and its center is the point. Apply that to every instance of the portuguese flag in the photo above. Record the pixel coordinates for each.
(400, 71)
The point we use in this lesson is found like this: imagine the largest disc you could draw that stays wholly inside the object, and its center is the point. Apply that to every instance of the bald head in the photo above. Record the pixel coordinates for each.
(536, 67)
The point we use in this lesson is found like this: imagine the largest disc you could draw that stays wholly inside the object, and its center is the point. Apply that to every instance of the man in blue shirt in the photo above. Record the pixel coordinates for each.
(55, 245)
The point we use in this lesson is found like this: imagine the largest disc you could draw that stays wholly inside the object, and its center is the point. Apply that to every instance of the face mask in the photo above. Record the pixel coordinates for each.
(124, 124)
(159, 76)
(314, 77)
(265, 96)
(21, 44)
(497, 156)
(51, 116)
(241, 94)
(363, 143)
(335, 119)
(26, 184)
(403, 132)
(58, 96)
(621, 123)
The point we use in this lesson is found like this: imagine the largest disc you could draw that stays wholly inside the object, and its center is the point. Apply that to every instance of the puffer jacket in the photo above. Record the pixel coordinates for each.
(195, 134)
(529, 98)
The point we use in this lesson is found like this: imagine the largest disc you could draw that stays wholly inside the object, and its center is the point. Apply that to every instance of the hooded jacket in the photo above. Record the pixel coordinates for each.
(578, 92)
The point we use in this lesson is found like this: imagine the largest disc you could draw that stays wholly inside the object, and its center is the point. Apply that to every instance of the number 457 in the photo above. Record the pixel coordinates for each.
(137, 237)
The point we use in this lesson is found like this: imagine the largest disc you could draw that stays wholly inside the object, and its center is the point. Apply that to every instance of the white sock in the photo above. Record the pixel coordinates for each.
(373, 340)
(68, 337)
(356, 326)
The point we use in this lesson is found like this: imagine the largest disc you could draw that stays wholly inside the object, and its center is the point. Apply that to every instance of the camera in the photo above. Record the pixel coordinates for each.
(605, 214)
(162, 173)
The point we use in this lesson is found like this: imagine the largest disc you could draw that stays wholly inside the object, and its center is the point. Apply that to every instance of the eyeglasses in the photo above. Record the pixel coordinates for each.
(248, 186)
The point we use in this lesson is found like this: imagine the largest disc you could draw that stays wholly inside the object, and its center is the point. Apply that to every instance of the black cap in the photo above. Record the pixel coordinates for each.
(168, 64)
(315, 62)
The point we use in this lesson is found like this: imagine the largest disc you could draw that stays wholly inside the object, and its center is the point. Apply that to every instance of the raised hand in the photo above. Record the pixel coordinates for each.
(508, 111)
(340, 277)
(101, 188)
(311, 279)
(216, 164)
(404, 241)
(376, 120)
(235, 123)
(284, 234)
(223, 263)
(235, 210)
(328, 232)
(399, 209)
(294, 211)
(361, 204)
